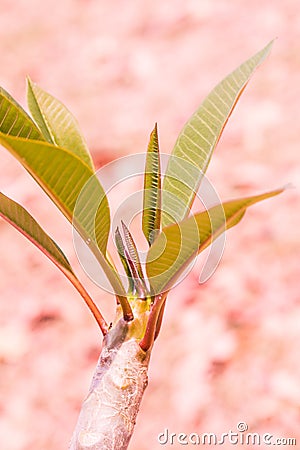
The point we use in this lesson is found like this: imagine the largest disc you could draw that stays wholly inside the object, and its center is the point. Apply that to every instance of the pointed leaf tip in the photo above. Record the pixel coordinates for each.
(199, 137)
(14, 120)
(132, 250)
(56, 122)
(122, 254)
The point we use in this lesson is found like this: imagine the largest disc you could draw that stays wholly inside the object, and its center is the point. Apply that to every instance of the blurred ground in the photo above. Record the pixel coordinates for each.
(229, 350)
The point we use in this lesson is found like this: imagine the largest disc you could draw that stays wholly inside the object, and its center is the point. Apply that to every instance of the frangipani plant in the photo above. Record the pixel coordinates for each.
(51, 148)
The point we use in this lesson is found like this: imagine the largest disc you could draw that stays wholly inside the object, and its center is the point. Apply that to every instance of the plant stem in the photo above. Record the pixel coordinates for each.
(154, 322)
(159, 319)
(108, 414)
(90, 303)
(114, 279)
(126, 308)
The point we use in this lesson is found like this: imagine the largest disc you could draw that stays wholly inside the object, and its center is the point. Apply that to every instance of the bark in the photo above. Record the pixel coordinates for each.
(108, 414)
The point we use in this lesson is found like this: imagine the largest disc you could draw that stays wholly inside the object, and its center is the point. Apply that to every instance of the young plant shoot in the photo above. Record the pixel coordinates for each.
(49, 145)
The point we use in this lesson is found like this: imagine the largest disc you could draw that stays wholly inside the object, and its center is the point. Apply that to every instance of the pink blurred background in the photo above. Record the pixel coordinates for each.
(229, 350)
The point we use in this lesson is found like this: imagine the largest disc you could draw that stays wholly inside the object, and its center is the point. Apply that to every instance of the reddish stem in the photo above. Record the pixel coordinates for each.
(90, 303)
(159, 320)
(154, 322)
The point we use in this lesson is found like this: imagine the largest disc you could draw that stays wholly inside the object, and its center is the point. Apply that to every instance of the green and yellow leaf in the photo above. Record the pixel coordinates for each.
(57, 124)
(198, 139)
(152, 190)
(133, 261)
(69, 182)
(121, 251)
(178, 244)
(14, 121)
(132, 251)
(17, 216)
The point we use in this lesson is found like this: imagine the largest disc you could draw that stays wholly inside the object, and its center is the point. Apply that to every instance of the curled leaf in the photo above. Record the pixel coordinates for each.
(121, 251)
(152, 190)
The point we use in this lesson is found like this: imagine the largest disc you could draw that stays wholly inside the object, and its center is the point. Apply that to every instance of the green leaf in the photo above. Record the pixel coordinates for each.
(14, 121)
(178, 244)
(64, 177)
(152, 190)
(17, 216)
(133, 260)
(121, 251)
(198, 139)
(132, 251)
(58, 125)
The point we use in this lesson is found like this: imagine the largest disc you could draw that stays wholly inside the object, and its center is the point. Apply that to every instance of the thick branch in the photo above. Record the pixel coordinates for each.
(108, 414)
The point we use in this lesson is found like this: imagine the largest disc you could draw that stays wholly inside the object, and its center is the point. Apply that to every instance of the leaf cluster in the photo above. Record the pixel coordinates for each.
(50, 146)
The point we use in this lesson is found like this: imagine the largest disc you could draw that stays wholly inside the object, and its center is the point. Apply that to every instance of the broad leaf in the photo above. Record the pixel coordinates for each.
(198, 139)
(14, 121)
(17, 216)
(178, 244)
(152, 190)
(56, 122)
(64, 177)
